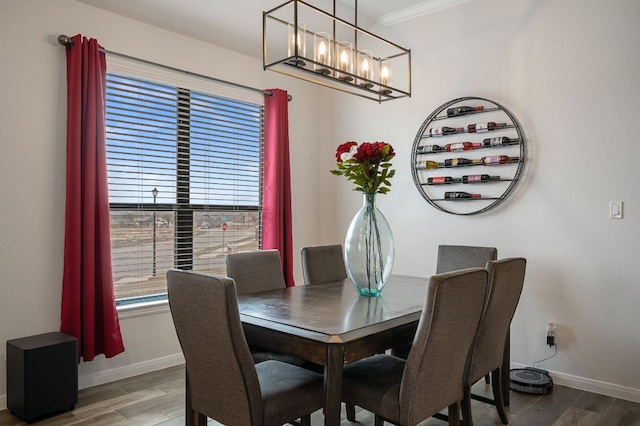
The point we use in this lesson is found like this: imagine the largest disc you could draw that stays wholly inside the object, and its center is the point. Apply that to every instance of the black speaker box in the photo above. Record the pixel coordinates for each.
(42, 375)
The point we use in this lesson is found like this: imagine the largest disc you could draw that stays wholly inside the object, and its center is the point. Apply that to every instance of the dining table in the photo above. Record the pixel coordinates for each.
(332, 325)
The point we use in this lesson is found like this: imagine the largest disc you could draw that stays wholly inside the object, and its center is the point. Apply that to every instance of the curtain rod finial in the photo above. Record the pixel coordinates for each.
(64, 40)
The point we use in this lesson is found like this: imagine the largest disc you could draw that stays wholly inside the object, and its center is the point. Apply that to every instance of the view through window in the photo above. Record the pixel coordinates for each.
(185, 172)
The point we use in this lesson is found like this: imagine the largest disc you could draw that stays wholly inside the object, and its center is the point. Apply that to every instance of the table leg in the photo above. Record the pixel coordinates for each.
(333, 384)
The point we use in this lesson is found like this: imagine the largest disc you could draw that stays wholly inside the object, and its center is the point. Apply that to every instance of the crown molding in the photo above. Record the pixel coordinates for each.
(424, 8)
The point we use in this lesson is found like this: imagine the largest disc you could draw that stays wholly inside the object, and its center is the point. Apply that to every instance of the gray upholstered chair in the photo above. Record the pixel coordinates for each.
(255, 271)
(506, 279)
(409, 391)
(224, 383)
(454, 258)
(322, 264)
(261, 270)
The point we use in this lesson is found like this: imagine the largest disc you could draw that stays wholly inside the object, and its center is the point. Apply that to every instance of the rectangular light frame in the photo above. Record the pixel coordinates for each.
(300, 59)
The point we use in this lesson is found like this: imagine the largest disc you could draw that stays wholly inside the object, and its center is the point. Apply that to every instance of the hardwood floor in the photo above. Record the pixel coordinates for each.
(158, 399)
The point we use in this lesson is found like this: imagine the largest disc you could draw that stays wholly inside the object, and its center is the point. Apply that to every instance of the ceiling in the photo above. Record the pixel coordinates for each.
(237, 25)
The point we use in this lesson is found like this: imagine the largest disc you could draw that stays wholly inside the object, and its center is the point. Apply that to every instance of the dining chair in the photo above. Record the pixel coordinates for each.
(224, 383)
(322, 264)
(506, 280)
(261, 270)
(255, 271)
(409, 391)
(453, 258)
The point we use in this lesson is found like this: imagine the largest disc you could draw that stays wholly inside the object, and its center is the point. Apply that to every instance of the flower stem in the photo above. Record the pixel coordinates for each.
(373, 243)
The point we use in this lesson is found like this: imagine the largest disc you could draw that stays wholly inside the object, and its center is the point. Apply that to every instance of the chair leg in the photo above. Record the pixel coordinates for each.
(351, 412)
(496, 384)
(487, 378)
(200, 419)
(305, 420)
(467, 417)
(454, 414)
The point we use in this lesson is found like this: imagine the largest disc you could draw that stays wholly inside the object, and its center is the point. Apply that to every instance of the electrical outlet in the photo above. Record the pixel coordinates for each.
(551, 334)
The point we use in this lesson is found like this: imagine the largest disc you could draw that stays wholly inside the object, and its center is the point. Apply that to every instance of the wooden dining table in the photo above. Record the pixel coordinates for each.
(332, 325)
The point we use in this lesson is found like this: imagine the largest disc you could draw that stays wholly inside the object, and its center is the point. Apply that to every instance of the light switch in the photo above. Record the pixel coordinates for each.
(615, 210)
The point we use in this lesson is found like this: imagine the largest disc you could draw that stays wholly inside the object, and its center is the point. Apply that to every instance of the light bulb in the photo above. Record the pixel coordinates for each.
(384, 76)
(365, 68)
(344, 60)
(322, 52)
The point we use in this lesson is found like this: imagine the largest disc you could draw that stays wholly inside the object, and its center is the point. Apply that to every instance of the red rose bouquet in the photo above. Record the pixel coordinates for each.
(367, 165)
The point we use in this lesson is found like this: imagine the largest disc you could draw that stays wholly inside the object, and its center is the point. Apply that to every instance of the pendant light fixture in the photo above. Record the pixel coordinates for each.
(305, 42)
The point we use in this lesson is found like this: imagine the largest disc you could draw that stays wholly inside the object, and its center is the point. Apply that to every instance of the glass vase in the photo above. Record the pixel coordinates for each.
(369, 249)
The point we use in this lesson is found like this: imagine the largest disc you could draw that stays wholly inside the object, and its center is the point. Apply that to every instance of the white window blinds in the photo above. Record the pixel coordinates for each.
(185, 170)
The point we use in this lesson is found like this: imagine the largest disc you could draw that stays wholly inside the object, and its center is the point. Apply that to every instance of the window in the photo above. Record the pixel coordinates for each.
(185, 170)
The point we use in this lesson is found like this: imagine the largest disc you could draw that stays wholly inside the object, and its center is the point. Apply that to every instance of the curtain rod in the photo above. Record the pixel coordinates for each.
(65, 41)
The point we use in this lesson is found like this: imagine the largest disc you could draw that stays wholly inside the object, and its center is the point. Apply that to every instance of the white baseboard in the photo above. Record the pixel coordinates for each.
(119, 373)
(124, 372)
(590, 385)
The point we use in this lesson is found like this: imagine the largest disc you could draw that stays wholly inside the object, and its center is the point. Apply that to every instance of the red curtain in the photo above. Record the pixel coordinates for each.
(276, 205)
(88, 300)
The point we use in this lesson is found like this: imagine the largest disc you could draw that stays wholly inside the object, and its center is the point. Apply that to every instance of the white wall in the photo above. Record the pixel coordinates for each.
(570, 72)
(567, 69)
(32, 166)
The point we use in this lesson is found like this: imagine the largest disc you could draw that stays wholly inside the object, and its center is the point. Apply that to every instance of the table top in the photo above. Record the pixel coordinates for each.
(335, 312)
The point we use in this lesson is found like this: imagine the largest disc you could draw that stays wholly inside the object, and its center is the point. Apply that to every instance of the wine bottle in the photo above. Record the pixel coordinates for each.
(478, 178)
(440, 131)
(425, 149)
(499, 141)
(484, 127)
(440, 180)
(497, 159)
(458, 195)
(455, 162)
(422, 165)
(462, 146)
(462, 110)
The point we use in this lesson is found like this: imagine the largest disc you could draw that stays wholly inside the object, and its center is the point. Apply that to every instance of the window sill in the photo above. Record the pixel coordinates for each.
(143, 309)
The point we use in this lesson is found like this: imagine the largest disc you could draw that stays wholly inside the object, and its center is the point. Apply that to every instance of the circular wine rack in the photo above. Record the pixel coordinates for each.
(468, 156)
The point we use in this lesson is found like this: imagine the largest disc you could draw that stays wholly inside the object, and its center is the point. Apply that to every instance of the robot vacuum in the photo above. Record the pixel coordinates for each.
(530, 380)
